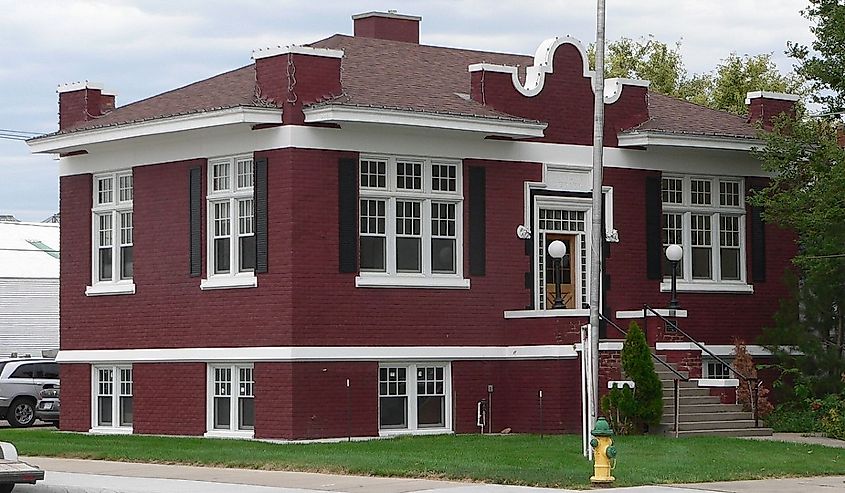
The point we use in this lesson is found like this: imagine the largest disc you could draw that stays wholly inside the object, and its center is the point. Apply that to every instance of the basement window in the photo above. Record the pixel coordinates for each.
(415, 398)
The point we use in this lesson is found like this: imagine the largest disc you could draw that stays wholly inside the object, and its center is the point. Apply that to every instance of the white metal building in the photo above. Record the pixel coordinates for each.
(29, 288)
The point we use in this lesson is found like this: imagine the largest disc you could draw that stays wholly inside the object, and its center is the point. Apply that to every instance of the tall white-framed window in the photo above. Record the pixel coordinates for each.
(111, 404)
(566, 219)
(231, 400)
(415, 398)
(231, 224)
(706, 216)
(112, 239)
(410, 222)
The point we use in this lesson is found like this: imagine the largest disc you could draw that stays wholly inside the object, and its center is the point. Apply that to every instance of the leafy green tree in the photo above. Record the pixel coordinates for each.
(736, 76)
(824, 65)
(724, 88)
(806, 196)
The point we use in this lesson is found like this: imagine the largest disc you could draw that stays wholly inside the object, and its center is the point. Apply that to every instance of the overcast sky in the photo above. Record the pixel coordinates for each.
(140, 48)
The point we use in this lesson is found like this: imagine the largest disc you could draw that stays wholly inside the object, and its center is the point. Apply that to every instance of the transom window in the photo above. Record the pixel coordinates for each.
(414, 397)
(706, 216)
(231, 232)
(565, 220)
(113, 232)
(231, 399)
(113, 407)
(410, 217)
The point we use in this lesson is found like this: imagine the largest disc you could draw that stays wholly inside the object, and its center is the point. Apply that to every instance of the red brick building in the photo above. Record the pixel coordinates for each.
(323, 242)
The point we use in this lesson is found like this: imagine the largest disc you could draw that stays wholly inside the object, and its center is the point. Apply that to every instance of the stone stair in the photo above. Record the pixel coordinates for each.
(701, 413)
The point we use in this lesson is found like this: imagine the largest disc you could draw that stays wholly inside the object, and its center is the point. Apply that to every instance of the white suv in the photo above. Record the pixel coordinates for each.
(20, 382)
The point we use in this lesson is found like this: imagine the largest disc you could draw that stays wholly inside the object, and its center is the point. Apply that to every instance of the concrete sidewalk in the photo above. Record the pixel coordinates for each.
(77, 473)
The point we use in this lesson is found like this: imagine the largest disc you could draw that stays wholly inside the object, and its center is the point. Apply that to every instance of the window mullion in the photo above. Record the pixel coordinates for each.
(687, 243)
(425, 232)
(115, 245)
(390, 231)
(716, 242)
(412, 397)
(115, 397)
(234, 395)
(233, 236)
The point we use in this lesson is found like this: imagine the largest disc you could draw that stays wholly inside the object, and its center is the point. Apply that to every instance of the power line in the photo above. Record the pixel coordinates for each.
(20, 131)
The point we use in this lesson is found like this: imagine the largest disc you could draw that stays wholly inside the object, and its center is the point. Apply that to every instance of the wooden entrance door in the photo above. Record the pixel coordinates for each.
(567, 281)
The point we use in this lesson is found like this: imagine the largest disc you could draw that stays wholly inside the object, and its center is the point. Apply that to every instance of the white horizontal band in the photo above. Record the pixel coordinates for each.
(319, 353)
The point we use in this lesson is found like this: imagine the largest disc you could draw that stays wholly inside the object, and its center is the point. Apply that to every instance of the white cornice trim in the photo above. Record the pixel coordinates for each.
(384, 116)
(535, 75)
(77, 140)
(646, 139)
(782, 96)
(295, 50)
(319, 353)
(78, 86)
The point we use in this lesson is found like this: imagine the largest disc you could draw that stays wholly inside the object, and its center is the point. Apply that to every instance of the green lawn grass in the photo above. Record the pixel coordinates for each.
(553, 461)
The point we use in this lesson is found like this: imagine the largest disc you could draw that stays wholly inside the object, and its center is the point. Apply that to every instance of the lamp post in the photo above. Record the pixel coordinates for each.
(674, 253)
(557, 249)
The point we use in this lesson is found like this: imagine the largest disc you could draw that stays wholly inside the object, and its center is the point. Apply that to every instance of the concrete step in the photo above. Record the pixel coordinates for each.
(730, 432)
(690, 400)
(712, 425)
(701, 408)
(686, 392)
(710, 416)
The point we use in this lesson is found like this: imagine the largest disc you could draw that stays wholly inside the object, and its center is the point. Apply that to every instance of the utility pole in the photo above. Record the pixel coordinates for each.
(597, 232)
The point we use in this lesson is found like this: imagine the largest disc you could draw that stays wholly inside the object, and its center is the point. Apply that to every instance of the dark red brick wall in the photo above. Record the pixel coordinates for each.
(274, 400)
(76, 397)
(168, 308)
(714, 318)
(404, 316)
(386, 28)
(315, 78)
(566, 101)
(168, 398)
(515, 400)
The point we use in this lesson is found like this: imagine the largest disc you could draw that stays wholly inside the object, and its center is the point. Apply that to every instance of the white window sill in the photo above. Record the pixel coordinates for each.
(420, 431)
(664, 312)
(385, 281)
(554, 313)
(717, 382)
(240, 434)
(620, 384)
(229, 282)
(708, 287)
(111, 430)
(110, 288)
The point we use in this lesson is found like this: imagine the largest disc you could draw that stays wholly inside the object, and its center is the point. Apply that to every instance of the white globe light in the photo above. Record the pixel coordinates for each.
(557, 249)
(674, 253)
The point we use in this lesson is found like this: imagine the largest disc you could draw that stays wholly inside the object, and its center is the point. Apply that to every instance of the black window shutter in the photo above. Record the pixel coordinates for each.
(477, 221)
(195, 220)
(260, 191)
(758, 245)
(347, 179)
(653, 230)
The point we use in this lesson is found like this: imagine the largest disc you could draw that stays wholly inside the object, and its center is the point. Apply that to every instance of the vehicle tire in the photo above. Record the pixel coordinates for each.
(7, 487)
(21, 414)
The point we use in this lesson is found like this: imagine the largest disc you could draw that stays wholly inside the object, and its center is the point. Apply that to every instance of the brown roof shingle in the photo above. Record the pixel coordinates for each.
(405, 76)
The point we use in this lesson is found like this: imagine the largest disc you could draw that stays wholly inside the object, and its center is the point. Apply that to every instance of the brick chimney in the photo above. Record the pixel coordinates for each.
(764, 106)
(82, 101)
(388, 25)
(293, 76)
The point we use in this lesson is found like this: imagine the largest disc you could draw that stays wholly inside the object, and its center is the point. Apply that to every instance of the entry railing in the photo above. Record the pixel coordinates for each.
(676, 398)
(752, 382)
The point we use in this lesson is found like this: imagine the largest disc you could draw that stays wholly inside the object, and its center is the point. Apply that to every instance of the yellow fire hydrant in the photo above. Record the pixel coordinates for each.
(604, 455)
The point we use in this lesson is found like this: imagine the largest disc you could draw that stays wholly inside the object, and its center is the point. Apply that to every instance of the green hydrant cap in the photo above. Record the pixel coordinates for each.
(602, 428)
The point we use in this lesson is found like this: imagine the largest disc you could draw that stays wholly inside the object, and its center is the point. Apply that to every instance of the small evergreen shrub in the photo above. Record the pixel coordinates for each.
(637, 410)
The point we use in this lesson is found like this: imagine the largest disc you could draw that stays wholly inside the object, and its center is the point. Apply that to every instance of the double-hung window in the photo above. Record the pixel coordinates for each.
(112, 403)
(231, 224)
(706, 216)
(410, 218)
(231, 400)
(414, 398)
(112, 235)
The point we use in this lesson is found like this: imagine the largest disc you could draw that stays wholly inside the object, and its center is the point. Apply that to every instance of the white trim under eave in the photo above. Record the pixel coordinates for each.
(646, 139)
(78, 140)
(318, 353)
(384, 116)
